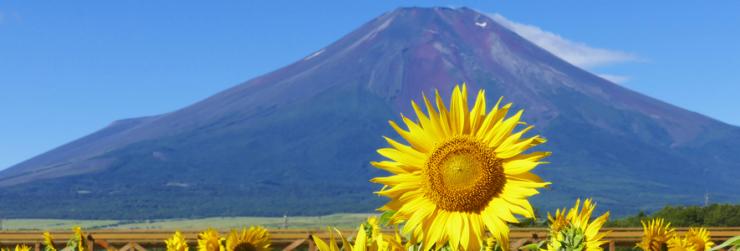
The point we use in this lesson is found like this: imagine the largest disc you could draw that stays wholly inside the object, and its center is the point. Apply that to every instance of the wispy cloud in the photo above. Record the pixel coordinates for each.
(577, 53)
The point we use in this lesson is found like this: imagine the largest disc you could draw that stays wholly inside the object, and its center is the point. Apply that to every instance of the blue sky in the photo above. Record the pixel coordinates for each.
(70, 68)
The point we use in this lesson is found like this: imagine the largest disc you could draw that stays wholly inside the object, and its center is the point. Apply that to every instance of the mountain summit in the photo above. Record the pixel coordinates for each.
(299, 140)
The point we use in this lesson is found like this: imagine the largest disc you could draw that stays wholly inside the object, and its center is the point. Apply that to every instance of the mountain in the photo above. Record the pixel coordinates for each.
(298, 140)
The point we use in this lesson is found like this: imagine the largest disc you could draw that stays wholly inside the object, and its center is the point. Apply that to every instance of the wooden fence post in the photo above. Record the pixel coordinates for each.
(137, 247)
(612, 245)
(295, 244)
(125, 247)
(518, 244)
(90, 242)
(311, 244)
(105, 245)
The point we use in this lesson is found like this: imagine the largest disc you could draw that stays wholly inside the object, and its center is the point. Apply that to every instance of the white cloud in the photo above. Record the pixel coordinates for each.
(576, 53)
(617, 79)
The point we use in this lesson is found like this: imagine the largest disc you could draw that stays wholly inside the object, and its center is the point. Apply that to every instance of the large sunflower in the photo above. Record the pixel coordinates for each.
(656, 234)
(462, 172)
(252, 239)
(575, 230)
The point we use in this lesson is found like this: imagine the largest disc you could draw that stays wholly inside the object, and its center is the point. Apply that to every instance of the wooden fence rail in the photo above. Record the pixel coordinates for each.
(292, 239)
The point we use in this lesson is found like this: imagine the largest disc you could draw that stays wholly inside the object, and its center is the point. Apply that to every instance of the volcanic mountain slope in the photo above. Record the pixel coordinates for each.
(298, 140)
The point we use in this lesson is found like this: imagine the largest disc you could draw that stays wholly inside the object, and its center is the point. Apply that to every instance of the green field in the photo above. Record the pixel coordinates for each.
(302, 222)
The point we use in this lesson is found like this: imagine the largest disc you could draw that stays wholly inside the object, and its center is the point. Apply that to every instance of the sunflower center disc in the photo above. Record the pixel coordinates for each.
(464, 175)
(459, 169)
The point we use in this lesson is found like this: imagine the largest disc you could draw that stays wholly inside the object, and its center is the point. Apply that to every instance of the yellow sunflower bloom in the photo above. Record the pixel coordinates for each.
(656, 234)
(252, 239)
(577, 232)
(398, 242)
(699, 237)
(696, 239)
(210, 240)
(22, 248)
(177, 242)
(680, 244)
(464, 171)
(362, 241)
(490, 244)
(359, 245)
(48, 242)
(375, 238)
(80, 238)
(557, 222)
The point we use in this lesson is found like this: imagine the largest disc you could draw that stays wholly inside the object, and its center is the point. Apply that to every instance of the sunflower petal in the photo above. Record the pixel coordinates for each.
(518, 148)
(492, 118)
(478, 114)
(504, 129)
(393, 167)
(434, 119)
(396, 179)
(454, 228)
(405, 149)
(320, 244)
(415, 137)
(444, 118)
(401, 157)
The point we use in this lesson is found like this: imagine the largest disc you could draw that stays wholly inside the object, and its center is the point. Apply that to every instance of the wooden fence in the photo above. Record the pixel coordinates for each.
(293, 239)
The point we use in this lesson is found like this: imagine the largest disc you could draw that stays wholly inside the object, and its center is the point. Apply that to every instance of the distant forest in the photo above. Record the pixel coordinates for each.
(716, 215)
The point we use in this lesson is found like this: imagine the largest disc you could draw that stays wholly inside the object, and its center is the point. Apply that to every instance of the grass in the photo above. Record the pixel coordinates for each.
(302, 222)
